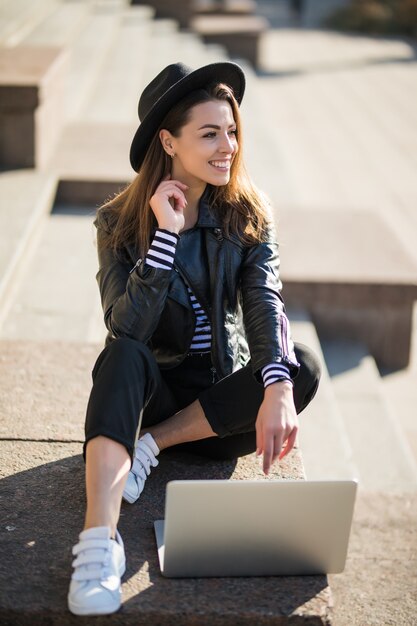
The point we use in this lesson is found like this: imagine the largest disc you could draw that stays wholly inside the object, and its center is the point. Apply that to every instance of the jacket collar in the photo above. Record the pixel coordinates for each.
(206, 217)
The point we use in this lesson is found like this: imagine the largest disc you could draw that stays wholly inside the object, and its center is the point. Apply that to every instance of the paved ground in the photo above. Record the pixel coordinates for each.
(38, 528)
(344, 120)
(42, 472)
(379, 585)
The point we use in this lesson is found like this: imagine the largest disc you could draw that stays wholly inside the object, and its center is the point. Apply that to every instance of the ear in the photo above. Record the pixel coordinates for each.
(166, 140)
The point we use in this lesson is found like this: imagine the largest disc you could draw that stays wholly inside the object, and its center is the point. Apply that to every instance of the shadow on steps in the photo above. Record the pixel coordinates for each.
(42, 513)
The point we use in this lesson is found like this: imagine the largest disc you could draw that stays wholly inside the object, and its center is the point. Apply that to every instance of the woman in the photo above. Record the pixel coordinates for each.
(199, 352)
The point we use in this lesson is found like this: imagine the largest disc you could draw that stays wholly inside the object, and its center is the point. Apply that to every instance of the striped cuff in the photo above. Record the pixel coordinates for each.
(275, 372)
(162, 250)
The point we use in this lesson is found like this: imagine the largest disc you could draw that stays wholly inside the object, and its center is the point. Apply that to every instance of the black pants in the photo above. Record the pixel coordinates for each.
(130, 392)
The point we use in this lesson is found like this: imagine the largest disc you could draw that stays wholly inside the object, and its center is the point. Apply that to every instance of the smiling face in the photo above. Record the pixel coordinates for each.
(206, 145)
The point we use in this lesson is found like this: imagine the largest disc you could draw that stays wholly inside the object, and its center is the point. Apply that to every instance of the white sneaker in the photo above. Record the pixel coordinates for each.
(145, 457)
(99, 564)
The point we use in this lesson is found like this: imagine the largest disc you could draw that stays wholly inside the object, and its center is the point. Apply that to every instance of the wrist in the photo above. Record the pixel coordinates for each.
(169, 227)
(280, 387)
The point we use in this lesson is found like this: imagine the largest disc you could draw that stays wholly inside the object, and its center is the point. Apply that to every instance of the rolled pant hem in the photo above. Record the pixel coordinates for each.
(124, 442)
(217, 425)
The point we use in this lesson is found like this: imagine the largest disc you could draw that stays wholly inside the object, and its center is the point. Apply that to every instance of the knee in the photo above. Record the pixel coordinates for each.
(121, 353)
(309, 362)
(126, 348)
(310, 370)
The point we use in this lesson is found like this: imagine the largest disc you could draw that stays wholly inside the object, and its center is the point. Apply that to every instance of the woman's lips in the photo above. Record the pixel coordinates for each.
(221, 165)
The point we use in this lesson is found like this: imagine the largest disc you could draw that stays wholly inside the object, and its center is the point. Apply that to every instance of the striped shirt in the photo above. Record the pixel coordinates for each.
(201, 341)
(161, 255)
(162, 251)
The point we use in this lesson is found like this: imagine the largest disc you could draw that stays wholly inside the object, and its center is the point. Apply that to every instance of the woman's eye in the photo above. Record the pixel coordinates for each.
(213, 134)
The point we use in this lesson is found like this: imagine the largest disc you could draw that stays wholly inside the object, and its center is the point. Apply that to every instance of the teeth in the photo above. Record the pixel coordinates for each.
(220, 163)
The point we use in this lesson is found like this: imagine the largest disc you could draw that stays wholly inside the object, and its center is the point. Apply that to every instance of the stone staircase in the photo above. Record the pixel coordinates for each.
(51, 331)
(381, 451)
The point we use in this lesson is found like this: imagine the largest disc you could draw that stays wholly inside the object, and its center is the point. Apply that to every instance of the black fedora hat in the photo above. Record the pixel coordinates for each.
(171, 85)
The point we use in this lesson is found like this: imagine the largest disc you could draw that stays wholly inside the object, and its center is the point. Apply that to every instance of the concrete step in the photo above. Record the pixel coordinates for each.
(241, 35)
(61, 26)
(380, 448)
(267, 166)
(351, 274)
(382, 540)
(90, 51)
(359, 125)
(94, 152)
(94, 145)
(165, 39)
(86, 57)
(27, 197)
(45, 386)
(31, 104)
(121, 74)
(328, 136)
(325, 446)
(400, 392)
(88, 31)
(37, 486)
(193, 52)
(57, 298)
(19, 17)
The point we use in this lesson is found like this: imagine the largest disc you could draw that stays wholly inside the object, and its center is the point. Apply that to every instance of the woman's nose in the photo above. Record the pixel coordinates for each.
(227, 144)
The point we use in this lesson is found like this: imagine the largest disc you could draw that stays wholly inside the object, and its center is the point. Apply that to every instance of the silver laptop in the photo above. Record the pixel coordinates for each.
(255, 528)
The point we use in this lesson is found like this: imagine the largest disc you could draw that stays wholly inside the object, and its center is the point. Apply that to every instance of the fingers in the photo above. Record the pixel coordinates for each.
(267, 460)
(171, 190)
(263, 446)
(275, 447)
(272, 444)
(289, 444)
(180, 201)
(280, 440)
(259, 439)
(276, 430)
(175, 189)
(278, 443)
(170, 181)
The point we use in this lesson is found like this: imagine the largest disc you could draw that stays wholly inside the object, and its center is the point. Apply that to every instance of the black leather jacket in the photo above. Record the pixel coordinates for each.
(238, 286)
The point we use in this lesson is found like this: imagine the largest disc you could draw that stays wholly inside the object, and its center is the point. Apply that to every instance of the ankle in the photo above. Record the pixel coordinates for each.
(159, 442)
(96, 523)
(157, 437)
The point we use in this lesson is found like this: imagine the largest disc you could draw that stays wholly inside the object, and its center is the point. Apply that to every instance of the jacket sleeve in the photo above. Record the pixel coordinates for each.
(266, 324)
(132, 298)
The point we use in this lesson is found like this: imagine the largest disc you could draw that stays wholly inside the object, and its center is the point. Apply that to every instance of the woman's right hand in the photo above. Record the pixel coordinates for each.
(168, 204)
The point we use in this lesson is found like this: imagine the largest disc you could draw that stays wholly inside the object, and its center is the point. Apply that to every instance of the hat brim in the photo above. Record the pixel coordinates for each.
(229, 73)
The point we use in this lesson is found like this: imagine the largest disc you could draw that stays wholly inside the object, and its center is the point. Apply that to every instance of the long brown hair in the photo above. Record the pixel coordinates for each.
(240, 206)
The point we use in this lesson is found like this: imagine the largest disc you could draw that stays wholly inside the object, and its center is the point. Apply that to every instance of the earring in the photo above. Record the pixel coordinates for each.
(172, 155)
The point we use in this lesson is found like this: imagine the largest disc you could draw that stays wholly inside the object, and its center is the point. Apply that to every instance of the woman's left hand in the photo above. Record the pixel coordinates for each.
(276, 424)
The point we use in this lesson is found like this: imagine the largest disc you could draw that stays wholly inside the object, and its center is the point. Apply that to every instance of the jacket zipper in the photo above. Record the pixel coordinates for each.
(177, 267)
(138, 262)
(284, 335)
(219, 236)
